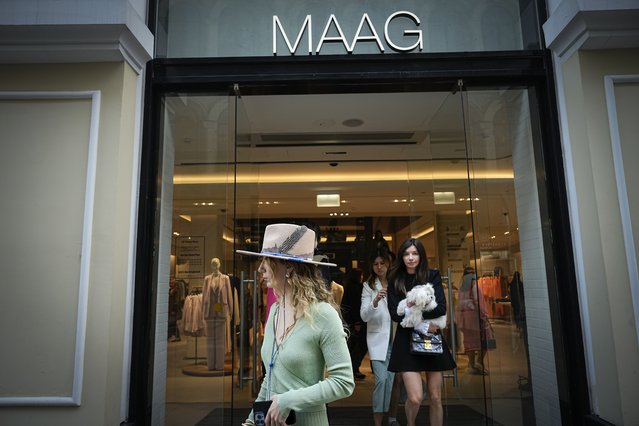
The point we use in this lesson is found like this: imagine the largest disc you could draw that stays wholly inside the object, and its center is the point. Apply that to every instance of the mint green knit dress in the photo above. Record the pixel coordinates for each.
(298, 374)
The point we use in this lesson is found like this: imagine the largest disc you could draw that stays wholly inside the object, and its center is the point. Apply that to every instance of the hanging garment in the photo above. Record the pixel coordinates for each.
(194, 324)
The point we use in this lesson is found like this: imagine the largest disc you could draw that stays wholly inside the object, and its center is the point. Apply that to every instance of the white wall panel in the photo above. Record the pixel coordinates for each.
(47, 174)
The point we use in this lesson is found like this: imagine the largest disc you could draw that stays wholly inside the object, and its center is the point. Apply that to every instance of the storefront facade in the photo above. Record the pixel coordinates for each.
(259, 116)
(429, 120)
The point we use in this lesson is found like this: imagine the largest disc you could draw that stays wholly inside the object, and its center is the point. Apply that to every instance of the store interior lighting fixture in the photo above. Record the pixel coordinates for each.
(328, 200)
(444, 197)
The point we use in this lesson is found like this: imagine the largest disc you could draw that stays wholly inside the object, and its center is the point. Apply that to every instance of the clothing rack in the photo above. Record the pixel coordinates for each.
(194, 357)
(193, 292)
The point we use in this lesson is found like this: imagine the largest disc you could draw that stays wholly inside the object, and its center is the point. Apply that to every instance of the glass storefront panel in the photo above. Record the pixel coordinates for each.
(454, 169)
(198, 142)
(439, 192)
(509, 252)
(187, 29)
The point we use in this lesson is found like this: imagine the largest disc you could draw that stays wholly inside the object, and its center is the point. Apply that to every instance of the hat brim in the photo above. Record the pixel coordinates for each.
(284, 257)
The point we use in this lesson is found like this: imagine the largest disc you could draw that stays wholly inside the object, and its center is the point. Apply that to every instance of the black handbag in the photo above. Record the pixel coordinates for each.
(488, 336)
(426, 344)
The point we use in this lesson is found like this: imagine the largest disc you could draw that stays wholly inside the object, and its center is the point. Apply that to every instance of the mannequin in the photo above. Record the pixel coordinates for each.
(216, 306)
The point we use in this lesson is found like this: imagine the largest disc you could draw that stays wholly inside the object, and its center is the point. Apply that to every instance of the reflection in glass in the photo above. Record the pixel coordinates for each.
(455, 170)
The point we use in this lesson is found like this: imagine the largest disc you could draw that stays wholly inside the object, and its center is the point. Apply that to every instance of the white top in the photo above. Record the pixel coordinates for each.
(378, 322)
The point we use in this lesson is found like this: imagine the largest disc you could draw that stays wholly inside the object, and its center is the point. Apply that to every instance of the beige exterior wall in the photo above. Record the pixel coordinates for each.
(46, 342)
(606, 282)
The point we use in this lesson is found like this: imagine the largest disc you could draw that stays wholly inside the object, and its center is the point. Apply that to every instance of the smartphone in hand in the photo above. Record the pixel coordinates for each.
(260, 408)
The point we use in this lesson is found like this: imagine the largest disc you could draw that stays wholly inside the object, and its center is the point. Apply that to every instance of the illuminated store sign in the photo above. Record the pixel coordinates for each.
(285, 28)
(366, 33)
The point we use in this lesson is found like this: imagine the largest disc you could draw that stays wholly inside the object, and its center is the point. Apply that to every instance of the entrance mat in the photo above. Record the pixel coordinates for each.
(454, 415)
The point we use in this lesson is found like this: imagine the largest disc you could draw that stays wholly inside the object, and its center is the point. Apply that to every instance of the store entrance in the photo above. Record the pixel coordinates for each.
(357, 166)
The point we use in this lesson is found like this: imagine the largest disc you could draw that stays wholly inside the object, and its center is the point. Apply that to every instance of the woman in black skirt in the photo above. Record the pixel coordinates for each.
(411, 269)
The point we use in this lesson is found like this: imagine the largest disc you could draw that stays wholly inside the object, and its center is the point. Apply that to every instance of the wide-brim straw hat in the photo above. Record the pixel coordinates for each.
(287, 241)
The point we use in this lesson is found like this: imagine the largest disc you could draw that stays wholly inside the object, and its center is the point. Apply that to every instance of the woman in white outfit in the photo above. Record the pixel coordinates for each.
(374, 311)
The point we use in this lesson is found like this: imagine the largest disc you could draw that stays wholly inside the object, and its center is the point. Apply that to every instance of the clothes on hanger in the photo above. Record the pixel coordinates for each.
(194, 324)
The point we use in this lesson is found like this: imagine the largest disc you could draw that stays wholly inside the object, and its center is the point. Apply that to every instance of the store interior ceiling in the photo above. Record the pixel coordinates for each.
(385, 154)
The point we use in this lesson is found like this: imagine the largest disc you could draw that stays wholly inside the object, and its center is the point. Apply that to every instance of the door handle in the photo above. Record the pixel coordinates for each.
(240, 379)
(453, 326)
(256, 323)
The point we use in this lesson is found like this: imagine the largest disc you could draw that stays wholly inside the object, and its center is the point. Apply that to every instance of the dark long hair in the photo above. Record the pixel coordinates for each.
(388, 258)
(398, 273)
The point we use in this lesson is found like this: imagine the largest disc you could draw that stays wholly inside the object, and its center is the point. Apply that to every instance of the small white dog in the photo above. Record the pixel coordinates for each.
(423, 297)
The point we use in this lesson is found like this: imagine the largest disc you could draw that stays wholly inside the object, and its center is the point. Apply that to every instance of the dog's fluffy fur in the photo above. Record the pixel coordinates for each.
(423, 297)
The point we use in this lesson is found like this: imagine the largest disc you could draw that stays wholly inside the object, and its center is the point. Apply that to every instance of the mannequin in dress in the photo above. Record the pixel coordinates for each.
(216, 306)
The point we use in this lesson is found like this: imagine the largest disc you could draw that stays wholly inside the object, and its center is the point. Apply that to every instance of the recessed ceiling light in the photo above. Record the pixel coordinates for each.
(444, 197)
(328, 200)
(353, 122)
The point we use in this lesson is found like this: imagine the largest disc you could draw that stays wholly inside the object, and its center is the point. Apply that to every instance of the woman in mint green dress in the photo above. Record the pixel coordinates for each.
(304, 335)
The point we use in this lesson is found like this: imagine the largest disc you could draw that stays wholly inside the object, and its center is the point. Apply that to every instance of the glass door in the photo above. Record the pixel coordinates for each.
(397, 163)
(473, 200)
(508, 247)
(454, 169)
(438, 192)
(196, 275)
(247, 227)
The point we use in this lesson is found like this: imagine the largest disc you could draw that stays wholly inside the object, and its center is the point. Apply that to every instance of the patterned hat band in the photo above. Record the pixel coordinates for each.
(288, 242)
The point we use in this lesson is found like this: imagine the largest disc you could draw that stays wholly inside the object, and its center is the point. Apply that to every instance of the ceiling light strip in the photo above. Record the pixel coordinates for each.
(184, 179)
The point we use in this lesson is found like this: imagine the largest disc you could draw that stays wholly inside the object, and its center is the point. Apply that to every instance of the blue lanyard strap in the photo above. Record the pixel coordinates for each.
(274, 350)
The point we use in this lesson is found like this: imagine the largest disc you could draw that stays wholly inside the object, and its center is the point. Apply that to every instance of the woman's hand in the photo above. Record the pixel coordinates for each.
(432, 328)
(273, 416)
(379, 296)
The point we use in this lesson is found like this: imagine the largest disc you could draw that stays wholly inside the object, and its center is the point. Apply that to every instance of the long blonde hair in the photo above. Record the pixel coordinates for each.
(306, 284)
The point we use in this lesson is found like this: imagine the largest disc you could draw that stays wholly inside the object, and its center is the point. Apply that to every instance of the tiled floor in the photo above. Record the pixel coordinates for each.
(189, 399)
